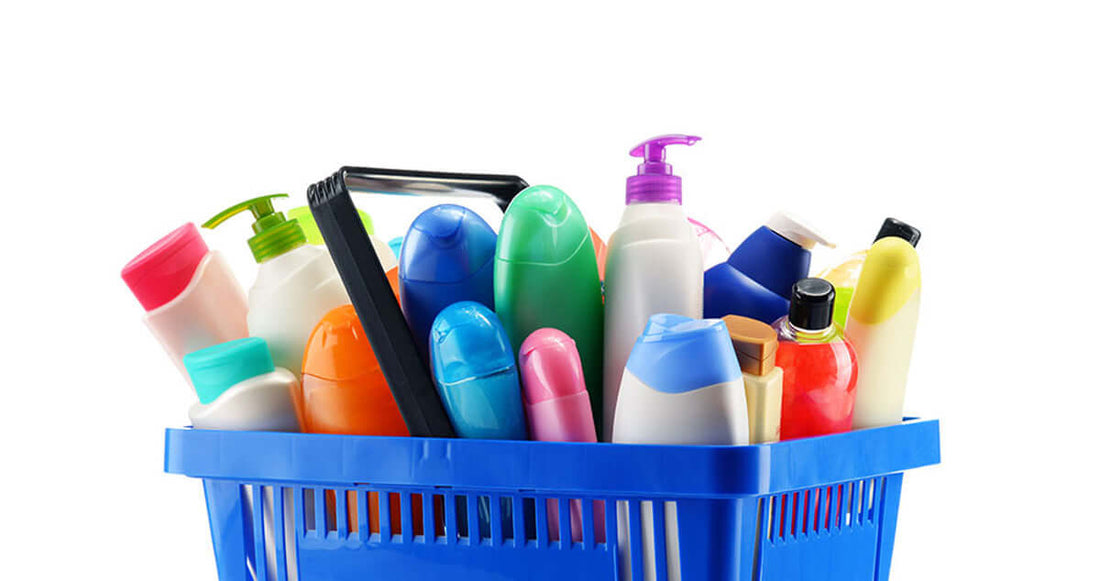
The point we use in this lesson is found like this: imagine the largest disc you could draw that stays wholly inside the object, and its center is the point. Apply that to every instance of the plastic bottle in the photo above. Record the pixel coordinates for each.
(296, 285)
(240, 388)
(654, 264)
(682, 385)
(191, 298)
(845, 275)
(558, 409)
(343, 392)
(446, 257)
(756, 343)
(882, 323)
(819, 365)
(475, 373)
(546, 276)
(386, 254)
(756, 280)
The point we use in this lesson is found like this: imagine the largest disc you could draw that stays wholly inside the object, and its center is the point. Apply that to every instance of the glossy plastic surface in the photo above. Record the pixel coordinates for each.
(163, 270)
(742, 511)
(756, 280)
(546, 276)
(676, 354)
(218, 367)
(446, 257)
(475, 372)
(343, 389)
(819, 381)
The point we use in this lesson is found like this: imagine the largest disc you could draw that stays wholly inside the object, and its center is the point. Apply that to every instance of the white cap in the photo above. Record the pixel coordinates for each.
(796, 230)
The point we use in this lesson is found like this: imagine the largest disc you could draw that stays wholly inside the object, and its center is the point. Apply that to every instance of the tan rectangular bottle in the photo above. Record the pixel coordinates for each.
(755, 343)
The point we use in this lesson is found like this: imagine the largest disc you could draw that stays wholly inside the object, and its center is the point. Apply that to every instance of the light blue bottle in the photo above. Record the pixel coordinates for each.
(475, 373)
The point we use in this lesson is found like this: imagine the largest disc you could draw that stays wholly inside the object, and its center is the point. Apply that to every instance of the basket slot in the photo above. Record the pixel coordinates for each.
(473, 523)
(430, 518)
(634, 524)
(362, 513)
(280, 497)
(342, 513)
(542, 532)
(864, 489)
(565, 528)
(385, 530)
(258, 537)
(660, 545)
(405, 508)
(520, 532)
(450, 518)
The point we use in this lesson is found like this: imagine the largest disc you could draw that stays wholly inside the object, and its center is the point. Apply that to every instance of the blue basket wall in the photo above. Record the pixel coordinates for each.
(813, 509)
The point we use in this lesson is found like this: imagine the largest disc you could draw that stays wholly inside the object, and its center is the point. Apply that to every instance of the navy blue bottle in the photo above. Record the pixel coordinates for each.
(756, 280)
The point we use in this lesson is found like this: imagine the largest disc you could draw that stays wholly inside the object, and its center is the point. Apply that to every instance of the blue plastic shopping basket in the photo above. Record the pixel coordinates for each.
(337, 508)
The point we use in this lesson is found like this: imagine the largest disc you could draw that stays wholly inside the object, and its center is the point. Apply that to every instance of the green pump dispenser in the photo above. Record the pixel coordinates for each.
(275, 235)
(545, 275)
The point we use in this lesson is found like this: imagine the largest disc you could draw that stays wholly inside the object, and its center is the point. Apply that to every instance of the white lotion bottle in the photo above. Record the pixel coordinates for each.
(882, 324)
(191, 298)
(240, 388)
(682, 385)
(654, 264)
(296, 285)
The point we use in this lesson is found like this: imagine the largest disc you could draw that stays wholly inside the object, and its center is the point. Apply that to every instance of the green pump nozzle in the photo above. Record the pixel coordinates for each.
(275, 235)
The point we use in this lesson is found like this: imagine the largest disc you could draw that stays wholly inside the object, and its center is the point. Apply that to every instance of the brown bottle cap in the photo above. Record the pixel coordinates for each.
(755, 343)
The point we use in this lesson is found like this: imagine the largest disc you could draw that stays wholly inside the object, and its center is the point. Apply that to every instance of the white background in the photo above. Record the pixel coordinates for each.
(979, 122)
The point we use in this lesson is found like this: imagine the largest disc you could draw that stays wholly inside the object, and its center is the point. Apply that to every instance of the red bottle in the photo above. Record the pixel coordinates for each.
(819, 365)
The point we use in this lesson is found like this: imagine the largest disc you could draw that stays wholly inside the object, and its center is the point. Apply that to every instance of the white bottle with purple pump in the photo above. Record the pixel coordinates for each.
(654, 264)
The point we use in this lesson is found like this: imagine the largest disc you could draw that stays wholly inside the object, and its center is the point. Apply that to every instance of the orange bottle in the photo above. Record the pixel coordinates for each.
(343, 392)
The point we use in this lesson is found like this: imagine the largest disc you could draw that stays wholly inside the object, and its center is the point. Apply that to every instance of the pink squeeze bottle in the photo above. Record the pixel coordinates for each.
(558, 409)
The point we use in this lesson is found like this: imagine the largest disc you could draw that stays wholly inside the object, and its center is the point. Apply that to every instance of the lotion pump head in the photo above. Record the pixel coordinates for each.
(655, 181)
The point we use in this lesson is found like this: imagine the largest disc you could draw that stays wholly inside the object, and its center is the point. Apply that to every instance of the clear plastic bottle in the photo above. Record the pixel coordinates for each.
(819, 365)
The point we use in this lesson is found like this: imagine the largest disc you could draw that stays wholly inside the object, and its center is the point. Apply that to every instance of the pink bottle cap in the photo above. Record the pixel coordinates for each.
(550, 366)
(161, 272)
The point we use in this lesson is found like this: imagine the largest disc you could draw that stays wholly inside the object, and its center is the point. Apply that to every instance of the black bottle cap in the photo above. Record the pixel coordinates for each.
(812, 304)
(898, 229)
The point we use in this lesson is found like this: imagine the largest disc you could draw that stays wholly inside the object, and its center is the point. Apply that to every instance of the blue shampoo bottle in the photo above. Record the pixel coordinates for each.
(756, 280)
(476, 375)
(446, 257)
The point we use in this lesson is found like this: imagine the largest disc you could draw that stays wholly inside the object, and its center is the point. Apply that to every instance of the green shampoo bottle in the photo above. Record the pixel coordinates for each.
(545, 275)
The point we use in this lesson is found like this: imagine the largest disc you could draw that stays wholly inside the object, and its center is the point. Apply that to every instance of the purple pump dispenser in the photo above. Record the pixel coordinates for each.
(655, 181)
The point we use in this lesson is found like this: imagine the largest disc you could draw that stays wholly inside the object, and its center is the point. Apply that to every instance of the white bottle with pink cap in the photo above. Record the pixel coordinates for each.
(191, 298)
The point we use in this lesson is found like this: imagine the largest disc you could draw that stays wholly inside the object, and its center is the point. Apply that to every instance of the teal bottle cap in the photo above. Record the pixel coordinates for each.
(215, 369)
(542, 226)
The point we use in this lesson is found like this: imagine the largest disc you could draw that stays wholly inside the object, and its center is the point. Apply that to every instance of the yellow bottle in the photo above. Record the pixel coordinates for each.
(882, 322)
(845, 275)
(756, 343)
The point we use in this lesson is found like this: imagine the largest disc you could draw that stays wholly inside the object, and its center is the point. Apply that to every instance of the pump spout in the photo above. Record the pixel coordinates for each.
(655, 181)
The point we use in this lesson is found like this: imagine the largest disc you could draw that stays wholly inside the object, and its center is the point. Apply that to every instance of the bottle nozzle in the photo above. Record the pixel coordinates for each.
(655, 181)
(275, 234)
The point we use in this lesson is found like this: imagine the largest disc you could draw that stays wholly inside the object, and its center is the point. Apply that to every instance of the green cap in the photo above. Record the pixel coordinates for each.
(275, 235)
(543, 226)
(215, 369)
(309, 225)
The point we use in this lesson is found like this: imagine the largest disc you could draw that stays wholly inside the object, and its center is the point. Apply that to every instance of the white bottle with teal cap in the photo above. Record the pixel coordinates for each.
(240, 388)
(297, 283)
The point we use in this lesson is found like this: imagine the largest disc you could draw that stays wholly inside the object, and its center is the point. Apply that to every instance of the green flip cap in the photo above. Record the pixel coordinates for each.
(275, 235)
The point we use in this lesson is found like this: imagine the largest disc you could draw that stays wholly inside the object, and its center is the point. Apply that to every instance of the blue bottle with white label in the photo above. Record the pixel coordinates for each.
(756, 280)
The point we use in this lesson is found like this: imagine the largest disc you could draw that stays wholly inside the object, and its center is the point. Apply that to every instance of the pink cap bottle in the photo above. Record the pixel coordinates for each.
(558, 408)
